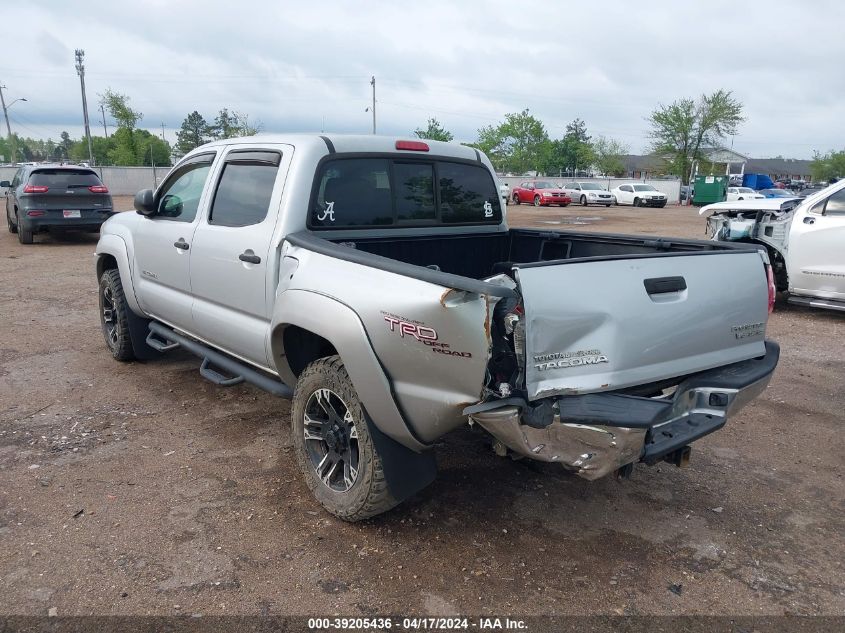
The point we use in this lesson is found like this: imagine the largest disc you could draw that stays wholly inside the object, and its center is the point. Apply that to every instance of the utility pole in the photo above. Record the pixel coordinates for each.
(153, 163)
(13, 143)
(80, 70)
(105, 129)
(162, 131)
(373, 84)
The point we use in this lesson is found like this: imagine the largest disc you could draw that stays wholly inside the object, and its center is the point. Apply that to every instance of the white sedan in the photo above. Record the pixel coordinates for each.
(743, 193)
(588, 193)
(639, 195)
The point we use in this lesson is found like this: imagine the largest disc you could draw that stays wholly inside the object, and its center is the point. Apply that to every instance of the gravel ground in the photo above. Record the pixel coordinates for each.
(144, 489)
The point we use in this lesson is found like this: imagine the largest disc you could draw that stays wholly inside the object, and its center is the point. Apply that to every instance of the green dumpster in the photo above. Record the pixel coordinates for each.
(710, 189)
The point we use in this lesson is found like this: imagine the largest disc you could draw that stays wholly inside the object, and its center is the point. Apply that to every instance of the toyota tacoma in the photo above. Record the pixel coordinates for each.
(376, 283)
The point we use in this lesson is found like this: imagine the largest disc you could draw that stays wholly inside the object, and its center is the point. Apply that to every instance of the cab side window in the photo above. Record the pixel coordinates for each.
(179, 196)
(835, 204)
(245, 188)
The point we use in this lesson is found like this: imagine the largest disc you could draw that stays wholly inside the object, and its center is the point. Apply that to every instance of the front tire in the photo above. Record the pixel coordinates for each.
(536, 201)
(13, 228)
(333, 446)
(516, 199)
(583, 201)
(114, 316)
(636, 202)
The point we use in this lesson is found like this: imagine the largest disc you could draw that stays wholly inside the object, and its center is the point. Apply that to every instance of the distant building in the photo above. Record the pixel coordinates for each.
(730, 162)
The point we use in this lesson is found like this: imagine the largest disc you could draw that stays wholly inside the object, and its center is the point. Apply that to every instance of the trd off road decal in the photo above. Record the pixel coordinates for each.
(416, 330)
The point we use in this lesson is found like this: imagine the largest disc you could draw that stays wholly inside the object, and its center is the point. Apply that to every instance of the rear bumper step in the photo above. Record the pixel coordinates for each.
(163, 339)
(596, 434)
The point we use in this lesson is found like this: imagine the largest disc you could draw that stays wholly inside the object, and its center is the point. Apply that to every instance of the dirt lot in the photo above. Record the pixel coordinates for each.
(142, 488)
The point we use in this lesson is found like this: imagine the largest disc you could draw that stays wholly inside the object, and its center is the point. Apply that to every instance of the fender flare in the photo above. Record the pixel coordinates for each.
(340, 325)
(408, 466)
(114, 245)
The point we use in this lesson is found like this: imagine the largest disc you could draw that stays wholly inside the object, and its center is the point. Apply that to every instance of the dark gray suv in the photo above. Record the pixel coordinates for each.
(55, 197)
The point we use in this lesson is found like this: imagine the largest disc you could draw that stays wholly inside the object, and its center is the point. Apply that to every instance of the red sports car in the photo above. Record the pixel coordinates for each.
(540, 193)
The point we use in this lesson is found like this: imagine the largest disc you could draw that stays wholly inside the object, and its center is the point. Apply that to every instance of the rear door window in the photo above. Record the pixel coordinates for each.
(64, 178)
(245, 188)
(383, 192)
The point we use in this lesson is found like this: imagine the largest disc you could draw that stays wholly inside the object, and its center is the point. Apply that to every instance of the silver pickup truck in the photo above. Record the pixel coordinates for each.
(375, 282)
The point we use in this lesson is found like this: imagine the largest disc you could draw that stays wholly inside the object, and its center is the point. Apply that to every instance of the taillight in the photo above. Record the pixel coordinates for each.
(35, 213)
(98, 189)
(413, 146)
(770, 277)
(35, 189)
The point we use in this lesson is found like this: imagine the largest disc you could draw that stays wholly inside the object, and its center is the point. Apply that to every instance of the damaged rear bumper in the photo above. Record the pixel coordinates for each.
(596, 434)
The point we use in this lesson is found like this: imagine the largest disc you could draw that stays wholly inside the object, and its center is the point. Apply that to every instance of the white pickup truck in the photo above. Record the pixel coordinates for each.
(805, 239)
(375, 281)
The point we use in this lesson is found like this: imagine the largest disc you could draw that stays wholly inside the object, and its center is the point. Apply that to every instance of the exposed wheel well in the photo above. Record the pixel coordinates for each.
(104, 263)
(303, 347)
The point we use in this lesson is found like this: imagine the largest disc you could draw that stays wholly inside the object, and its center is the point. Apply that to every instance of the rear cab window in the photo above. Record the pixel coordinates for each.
(385, 192)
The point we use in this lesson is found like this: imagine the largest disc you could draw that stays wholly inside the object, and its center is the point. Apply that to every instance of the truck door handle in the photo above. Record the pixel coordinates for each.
(181, 244)
(249, 257)
(660, 285)
(809, 220)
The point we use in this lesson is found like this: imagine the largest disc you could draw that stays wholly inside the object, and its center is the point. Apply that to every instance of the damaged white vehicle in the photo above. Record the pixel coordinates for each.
(805, 239)
(376, 283)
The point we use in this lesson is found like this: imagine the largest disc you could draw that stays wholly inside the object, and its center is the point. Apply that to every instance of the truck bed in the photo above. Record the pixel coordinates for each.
(484, 254)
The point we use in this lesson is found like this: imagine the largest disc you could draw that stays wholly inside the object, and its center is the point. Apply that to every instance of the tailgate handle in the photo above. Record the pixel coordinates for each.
(660, 285)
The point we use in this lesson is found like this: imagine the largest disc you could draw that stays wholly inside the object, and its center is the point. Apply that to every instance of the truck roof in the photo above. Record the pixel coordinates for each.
(344, 143)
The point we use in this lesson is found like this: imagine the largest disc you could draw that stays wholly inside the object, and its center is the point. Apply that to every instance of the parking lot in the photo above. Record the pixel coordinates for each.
(143, 488)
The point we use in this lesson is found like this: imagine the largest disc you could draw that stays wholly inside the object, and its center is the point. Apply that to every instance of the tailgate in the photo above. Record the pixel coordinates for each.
(602, 325)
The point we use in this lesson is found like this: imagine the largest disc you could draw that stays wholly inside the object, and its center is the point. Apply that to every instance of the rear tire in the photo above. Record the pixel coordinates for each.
(114, 316)
(352, 485)
(24, 236)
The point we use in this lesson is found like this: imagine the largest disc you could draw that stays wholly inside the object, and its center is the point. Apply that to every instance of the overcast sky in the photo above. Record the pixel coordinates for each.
(306, 66)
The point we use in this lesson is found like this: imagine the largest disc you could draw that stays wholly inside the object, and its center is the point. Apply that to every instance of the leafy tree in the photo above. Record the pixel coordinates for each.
(144, 141)
(245, 128)
(681, 129)
(123, 150)
(79, 150)
(118, 106)
(225, 125)
(827, 166)
(434, 131)
(194, 132)
(519, 144)
(608, 156)
(572, 152)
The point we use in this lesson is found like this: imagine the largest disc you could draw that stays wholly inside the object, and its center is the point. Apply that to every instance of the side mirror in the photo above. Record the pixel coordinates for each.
(145, 202)
(5, 183)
